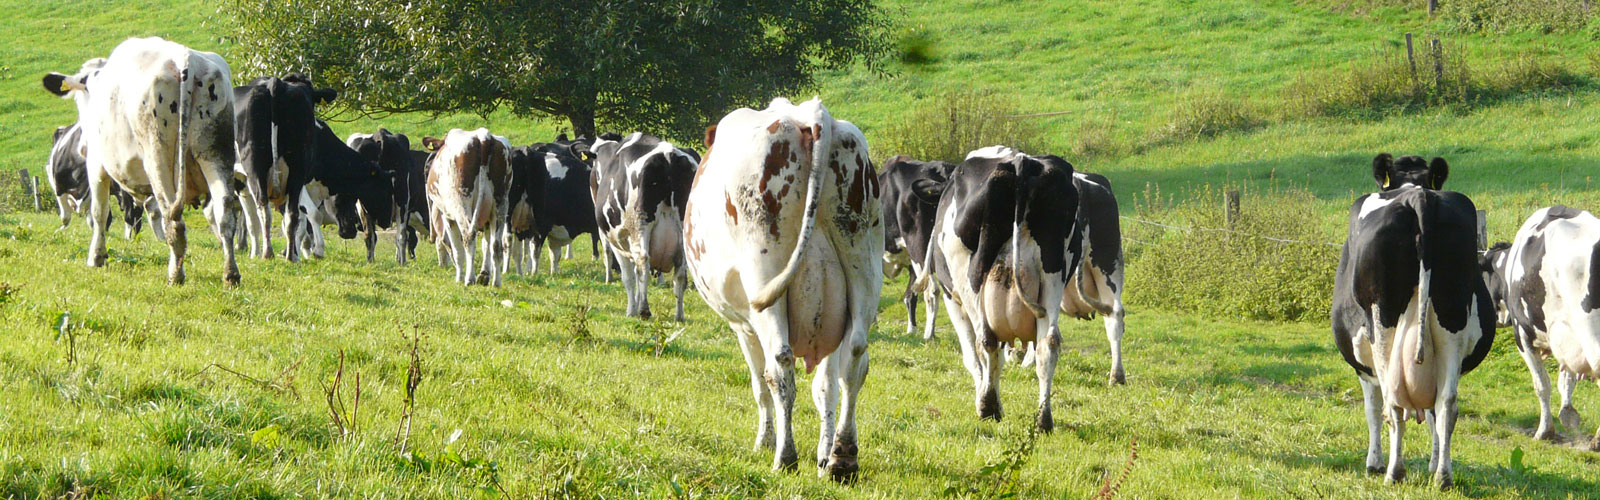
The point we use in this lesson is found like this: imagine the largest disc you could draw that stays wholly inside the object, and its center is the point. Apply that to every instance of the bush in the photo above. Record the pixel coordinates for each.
(1508, 16)
(949, 126)
(1237, 274)
(1205, 112)
(1384, 83)
(916, 46)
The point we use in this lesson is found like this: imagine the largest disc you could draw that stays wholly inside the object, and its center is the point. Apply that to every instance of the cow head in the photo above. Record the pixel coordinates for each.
(76, 85)
(1492, 264)
(1392, 173)
(392, 153)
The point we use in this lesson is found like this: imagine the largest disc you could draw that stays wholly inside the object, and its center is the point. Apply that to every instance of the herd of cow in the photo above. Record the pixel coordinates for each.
(788, 231)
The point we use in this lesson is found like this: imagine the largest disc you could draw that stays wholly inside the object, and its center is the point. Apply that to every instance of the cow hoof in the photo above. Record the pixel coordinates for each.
(989, 409)
(644, 314)
(1375, 470)
(1396, 475)
(483, 278)
(98, 261)
(1117, 378)
(1570, 418)
(176, 278)
(1545, 434)
(232, 279)
(1445, 480)
(1594, 444)
(787, 462)
(842, 464)
(1045, 423)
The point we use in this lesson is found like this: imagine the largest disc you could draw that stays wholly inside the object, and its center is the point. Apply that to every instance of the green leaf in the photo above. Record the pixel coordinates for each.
(1516, 461)
(267, 437)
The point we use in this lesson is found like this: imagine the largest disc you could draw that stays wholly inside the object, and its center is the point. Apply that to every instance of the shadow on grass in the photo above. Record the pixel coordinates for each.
(1472, 480)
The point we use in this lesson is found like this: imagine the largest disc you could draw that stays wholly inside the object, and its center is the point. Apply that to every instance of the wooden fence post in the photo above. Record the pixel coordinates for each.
(1433, 5)
(1231, 203)
(1411, 57)
(35, 191)
(1483, 230)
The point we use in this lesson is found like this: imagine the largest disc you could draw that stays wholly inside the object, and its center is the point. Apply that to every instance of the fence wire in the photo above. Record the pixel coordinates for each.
(1225, 231)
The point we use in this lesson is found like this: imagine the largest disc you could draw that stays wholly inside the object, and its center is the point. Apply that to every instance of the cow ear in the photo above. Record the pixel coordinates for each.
(1439, 170)
(60, 84)
(927, 190)
(431, 144)
(711, 136)
(323, 96)
(1381, 165)
(405, 142)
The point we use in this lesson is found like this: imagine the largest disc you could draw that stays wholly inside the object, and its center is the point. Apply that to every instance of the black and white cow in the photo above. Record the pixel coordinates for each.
(68, 174)
(528, 179)
(784, 237)
(909, 190)
(1004, 247)
(344, 189)
(157, 121)
(640, 186)
(391, 152)
(418, 211)
(1548, 283)
(1410, 312)
(568, 203)
(275, 127)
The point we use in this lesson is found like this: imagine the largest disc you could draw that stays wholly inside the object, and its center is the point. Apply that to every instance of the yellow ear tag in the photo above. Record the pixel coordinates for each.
(1386, 180)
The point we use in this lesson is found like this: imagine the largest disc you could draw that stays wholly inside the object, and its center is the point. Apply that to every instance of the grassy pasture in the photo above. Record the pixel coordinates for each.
(564, 404)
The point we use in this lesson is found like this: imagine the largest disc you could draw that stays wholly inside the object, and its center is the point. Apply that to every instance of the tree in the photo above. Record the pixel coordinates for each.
(666, 66)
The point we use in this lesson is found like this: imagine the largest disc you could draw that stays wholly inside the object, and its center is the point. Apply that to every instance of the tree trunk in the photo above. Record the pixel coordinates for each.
(582, 123)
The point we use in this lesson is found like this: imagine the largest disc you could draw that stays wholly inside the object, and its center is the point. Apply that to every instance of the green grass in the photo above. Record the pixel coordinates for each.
(1219, 407)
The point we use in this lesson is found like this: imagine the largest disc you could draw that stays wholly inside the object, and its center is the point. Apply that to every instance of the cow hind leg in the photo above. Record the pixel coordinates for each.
(1114, 330)
(930, 301)
(1397, 426)
(1373, 402)
(1541, 387)
(1047, 352)
(680, 283)
(755, 359)
(64, 208)
(220, 213)
(1569, 415)
(178, 243)
(1443, 423)
(825, 388)
(989, 389)
(910, 299)
(99, 210)
(970, 348)
(842, 460)
(629, 282)
(772, 330)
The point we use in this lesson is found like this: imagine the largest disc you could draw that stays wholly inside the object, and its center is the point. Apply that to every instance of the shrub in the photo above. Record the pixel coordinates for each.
(1205, 112)
(1385, 83)
(1094, 137)
(916, 46)
(1237, 274)
(1508, 16)
(948, 126)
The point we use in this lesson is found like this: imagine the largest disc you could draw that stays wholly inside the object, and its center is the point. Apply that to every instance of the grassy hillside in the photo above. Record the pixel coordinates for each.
(555, 402)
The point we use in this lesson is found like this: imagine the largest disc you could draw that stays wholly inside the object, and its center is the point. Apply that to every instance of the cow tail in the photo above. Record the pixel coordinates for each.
(175, 207)
(820, 150)
(920, 285)
(1423, 209)
(1033, 306)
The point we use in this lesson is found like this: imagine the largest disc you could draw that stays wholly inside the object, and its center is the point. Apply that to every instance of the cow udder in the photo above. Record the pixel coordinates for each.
(818, 303)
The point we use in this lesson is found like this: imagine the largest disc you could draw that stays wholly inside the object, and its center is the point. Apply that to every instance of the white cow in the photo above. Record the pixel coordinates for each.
(468, 184)
(157, 120)
(783, 237)
(1551, 291)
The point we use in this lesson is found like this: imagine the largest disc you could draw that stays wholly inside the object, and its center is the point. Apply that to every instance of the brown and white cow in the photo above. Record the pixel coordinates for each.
(157, 120)
(468, 184)
(1005, 246)
(640, 186)
(784, 238)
